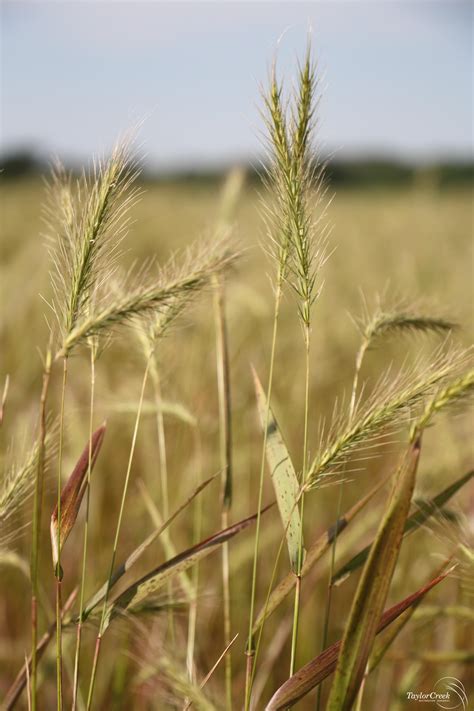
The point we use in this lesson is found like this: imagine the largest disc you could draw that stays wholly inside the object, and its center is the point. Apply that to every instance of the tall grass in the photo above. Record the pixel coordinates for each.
(193, 636)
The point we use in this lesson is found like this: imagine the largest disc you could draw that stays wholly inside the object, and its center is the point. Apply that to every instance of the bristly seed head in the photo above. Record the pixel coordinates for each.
(296, 228)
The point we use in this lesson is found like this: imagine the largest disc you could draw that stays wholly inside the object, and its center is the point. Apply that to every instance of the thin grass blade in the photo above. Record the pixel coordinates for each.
(134, 595)
(417, 519)
(138, 552)
(166, 540)
(4, 398)
(165, 407)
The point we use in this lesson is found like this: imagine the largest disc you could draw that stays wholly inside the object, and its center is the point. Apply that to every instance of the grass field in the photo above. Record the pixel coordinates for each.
(412, 244)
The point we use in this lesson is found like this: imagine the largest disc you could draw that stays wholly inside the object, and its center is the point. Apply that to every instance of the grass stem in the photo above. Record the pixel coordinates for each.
(58, 570)
(294, 636)
(332, 566)
(86, 532)
(117, 535)
(192, 620)
(37, 515)
(165, 505)
(225, 437)
(250, 643)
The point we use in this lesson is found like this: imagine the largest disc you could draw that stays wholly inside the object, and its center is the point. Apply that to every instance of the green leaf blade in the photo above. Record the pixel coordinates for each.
(136, 593)
(283, 476)
(417, 519)
(314, 553)
(372, 591)
(319, 668)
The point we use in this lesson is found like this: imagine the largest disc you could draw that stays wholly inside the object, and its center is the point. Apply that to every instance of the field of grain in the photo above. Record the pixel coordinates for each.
(409, 246)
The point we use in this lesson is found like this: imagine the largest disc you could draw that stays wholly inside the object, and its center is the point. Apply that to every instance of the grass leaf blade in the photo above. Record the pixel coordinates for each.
(417, 519)
(150, 583)
(373, 588)
(314, 553)
(319, 668)
(283, 475)
(138, 552)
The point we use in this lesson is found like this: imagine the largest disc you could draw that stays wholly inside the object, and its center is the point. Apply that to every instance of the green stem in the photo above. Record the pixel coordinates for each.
(358, 705)
(225, 441)
(296, 609)
(267, 599)
(86, 532)
(250, 644)
(59, 661)
(332, 566)
(116, 540)
(192, 620)
(327, 612)
(58, 571)
(160, 430)
(227, 618)
(37, 515)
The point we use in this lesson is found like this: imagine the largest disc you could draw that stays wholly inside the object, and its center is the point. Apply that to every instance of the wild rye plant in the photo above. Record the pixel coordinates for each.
(300, 254)
(92, 302)
(88, 308)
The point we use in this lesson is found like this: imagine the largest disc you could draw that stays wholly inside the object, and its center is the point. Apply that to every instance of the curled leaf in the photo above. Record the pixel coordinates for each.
(72, 494)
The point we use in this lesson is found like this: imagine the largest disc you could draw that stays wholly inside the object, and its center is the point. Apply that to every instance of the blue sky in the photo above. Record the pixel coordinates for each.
(396, 76)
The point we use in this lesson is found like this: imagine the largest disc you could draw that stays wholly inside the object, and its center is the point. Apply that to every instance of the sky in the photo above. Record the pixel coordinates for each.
(395, 76)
